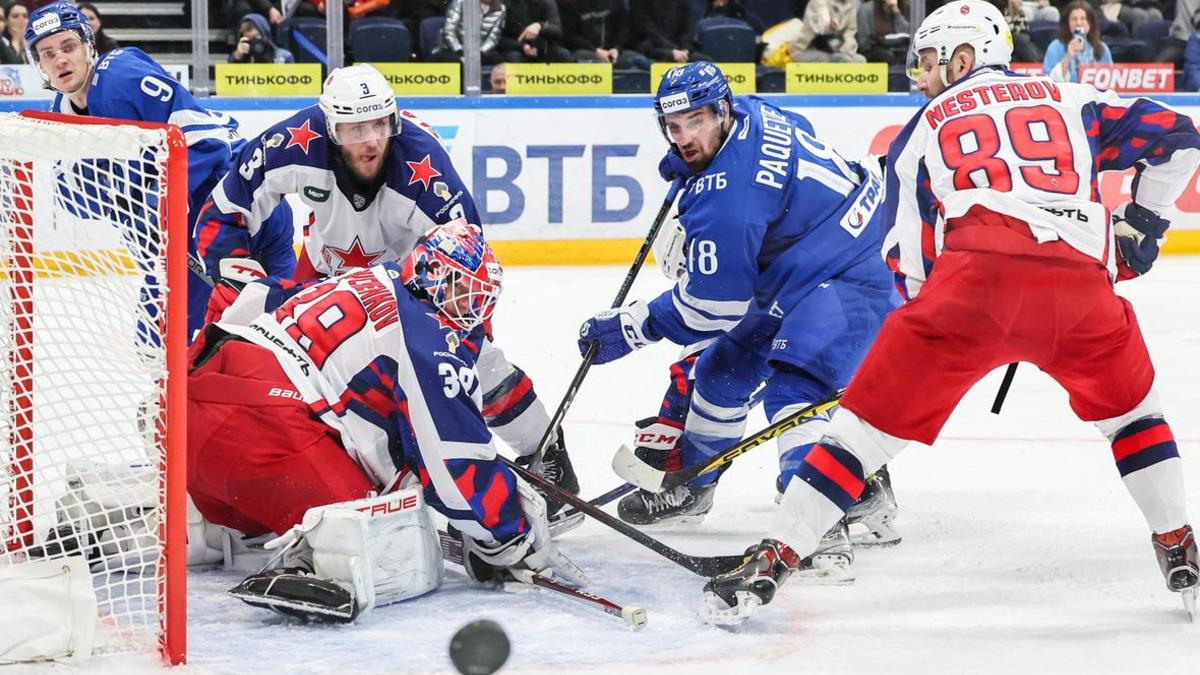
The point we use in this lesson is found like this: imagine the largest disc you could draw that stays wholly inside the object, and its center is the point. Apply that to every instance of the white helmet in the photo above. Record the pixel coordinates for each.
(357, 93)
(966, 22)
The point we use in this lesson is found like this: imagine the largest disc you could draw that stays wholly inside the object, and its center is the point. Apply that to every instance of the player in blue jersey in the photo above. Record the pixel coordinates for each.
(376, 178)
(780, 275)
(127, 84)
(297, 421)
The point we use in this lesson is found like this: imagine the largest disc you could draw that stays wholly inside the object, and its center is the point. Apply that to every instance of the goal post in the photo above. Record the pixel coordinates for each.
(93, 320)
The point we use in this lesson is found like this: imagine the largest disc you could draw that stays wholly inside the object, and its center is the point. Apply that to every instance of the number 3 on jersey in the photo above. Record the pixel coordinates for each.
(455, 380)
(971, 145)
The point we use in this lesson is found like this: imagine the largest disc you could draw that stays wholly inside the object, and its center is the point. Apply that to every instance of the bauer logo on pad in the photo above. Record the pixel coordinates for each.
(46, 23)
(675, 102)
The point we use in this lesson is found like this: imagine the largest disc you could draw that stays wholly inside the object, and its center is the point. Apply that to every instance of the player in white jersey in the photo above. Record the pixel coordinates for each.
(361, 385)
(376, 178)
(1001, 244)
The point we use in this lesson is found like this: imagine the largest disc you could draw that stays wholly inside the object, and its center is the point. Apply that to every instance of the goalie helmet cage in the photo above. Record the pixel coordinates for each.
(93, 220)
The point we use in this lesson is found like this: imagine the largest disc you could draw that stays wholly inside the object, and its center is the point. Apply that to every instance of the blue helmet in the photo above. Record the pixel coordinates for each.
(454, 269)
(55, 18)
(690, 86)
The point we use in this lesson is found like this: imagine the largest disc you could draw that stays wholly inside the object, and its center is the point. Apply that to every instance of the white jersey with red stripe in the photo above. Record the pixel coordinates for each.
(1032, 149)
(399, 386)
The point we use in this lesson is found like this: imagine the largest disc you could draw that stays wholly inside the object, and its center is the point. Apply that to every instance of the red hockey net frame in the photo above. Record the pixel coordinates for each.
(171, 567)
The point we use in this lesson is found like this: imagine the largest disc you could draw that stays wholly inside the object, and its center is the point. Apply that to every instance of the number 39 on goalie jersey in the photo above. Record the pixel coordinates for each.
(400, 387)
(1032, 149)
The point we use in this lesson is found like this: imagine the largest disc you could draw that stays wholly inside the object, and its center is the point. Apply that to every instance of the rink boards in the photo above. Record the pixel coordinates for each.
(574, 180)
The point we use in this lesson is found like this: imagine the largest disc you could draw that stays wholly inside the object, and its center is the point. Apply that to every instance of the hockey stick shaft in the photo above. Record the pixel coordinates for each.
(1004, 385)
(630, 467)
(705, 566)
(569, 397)
(452, 550)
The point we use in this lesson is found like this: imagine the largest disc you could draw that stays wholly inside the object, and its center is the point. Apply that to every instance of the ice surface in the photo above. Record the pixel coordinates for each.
(1022, 552)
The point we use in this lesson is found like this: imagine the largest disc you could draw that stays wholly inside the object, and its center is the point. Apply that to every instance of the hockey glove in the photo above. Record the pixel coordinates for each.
(1138, 231)
(672, 166)
(531, 551)
(234, 274)
(617, 332)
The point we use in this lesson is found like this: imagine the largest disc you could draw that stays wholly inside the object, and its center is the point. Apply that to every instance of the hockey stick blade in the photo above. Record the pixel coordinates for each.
(705, 566)
(631, 467)
(452, 551)
(630, 614)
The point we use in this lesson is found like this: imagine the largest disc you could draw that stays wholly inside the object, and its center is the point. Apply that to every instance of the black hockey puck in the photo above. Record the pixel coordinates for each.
(479, 648)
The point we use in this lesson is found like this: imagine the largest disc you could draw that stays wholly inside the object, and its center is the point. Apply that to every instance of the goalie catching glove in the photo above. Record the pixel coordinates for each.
(533, 550)
(1138, 232)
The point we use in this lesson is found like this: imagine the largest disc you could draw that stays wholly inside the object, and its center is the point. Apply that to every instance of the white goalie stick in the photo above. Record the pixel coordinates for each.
(524, 579)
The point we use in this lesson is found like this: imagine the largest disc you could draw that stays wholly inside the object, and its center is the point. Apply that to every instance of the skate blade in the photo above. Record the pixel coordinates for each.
(872, 533)
(832, 570)
(560, 525)
(714, 611)
(1189, 602)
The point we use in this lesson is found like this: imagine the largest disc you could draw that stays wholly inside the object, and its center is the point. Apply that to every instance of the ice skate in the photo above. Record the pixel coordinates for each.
(296, 593)
(1180, 564)
(555, 466)
(731, 598)
(681, 505)
(872, 519)
(832, 562)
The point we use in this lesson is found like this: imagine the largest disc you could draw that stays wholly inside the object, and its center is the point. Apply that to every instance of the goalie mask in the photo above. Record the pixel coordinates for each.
(359, 105)
(455, 270)
(52, 19)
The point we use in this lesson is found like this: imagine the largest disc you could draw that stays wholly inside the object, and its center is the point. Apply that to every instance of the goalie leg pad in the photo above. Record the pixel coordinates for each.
(380, 549)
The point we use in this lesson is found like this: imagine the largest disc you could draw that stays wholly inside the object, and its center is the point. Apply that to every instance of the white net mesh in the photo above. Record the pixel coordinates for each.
(83, 367)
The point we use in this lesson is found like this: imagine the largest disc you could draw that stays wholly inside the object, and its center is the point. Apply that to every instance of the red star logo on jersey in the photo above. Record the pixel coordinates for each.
(422, 172)
(354, 255)
(301, 136)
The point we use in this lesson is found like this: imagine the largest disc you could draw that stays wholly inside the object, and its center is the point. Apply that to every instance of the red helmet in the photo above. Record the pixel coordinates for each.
(455, 270)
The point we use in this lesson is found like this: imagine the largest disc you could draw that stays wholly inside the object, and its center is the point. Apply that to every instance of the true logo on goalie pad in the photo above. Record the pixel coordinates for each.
(402, 502)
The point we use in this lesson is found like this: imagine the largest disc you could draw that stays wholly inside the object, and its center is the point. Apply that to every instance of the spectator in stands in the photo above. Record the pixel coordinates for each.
(1191, 64)
(499, 79)
(451, 47)
(733, 9)
(3, 19)
(533, 32)
(663, 30)
(1024, 50)
(883, 31)
(1185, 23)
(12, 41)
(597, 31)
(1044, 11)
(828, 33)
(254, 43)
(1078, 43)
(1126, 13)
(104, 43)
(234, 10)
(413, 12)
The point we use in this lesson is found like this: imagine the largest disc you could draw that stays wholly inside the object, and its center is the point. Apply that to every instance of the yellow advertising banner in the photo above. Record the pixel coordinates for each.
(423, 79)
(741, 76)
(837, 78)
(268, 79)
(559, 78)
